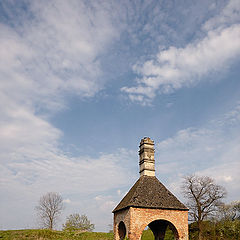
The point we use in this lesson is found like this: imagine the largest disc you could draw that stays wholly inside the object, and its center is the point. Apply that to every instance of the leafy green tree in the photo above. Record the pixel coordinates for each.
(228, 229)
(220, 230)
(79, 222)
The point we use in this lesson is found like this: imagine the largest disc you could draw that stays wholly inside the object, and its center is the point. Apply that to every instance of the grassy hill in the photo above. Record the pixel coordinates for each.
(37, 234)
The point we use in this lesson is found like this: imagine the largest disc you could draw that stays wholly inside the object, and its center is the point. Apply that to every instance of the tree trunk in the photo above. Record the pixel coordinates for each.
(200, 231)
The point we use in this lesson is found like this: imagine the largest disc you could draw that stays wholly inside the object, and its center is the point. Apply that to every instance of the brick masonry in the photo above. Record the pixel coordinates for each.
(149, 203)
(136, 219)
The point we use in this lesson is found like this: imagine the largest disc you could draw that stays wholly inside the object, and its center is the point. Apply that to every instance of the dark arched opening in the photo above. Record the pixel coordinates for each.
(121, 230)
(159, 230)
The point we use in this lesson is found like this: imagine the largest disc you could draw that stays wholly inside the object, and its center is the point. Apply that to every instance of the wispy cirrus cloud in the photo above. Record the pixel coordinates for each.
(212, 150)
(48, 50)
(75, 178)
(229, 15)
(174, 67)
(55, 50)
(51, 49)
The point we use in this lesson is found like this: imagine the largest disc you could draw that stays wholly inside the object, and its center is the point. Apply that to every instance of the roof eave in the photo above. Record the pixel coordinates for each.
(177, 209)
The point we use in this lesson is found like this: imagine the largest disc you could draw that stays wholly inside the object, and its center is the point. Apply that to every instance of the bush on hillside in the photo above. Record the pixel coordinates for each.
(77, 222)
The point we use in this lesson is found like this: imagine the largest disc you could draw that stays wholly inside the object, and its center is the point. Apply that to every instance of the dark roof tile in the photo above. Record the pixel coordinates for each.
(148, 192)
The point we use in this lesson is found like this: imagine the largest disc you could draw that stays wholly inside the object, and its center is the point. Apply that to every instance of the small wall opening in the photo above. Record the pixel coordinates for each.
(121, 230)
(160, 230)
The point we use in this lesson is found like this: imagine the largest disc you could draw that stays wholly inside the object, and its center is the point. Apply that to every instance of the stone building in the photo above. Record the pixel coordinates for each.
(149, 203)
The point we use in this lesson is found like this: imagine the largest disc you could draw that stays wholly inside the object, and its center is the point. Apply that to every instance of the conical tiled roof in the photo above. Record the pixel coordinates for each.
(148, 192)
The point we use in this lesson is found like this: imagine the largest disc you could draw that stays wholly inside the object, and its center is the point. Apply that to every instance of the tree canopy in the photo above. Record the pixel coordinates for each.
(78, 222)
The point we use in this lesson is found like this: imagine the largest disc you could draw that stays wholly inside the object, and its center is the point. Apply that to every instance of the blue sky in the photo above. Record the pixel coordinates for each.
(81, 82)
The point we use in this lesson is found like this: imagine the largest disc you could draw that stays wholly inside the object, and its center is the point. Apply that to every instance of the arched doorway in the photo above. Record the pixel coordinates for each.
(159, 229)
(121, 230)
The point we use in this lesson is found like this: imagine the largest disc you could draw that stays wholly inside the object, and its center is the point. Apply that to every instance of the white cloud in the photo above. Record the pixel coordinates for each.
(65, 174)
(55, 171)
(52, 52)
(231, 118)
(67, 200)
(212, 150)
(119, 192)
(230, 14)
(227, 174)
(174, 68)
(228, 178)
(105, 203)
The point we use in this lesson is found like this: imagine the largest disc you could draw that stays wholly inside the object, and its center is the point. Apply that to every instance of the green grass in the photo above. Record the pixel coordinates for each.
(52, 235)
(148, 235)
(42, 234)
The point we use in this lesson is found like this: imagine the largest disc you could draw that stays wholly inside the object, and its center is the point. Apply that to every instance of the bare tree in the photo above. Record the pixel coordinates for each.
(204, 198)
(49, 208)
(236, 207)
(230, 211)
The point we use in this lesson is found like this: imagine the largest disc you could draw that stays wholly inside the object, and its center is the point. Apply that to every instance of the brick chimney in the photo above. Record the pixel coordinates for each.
(146, 157)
